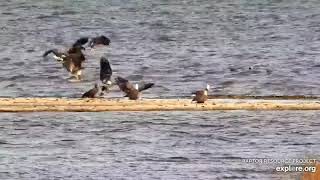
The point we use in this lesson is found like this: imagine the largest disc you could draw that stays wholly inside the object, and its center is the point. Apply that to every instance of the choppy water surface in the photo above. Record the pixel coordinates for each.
(239, 47)
(175, 145)
(178, 45)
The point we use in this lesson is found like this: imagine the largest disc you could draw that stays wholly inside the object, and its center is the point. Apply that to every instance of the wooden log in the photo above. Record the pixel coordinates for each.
(99, 104)
(270, 97)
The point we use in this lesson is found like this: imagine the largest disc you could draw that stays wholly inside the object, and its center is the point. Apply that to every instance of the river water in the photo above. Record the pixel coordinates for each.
(154, 145)
(263, 47)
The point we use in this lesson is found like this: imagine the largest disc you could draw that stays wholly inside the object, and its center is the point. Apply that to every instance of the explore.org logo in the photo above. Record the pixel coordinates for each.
(296, 168)
(287, 165)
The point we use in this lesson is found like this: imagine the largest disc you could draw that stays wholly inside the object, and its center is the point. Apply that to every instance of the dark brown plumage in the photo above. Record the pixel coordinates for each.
(71, 60)
(80, 42)
(96, 41)
(77, 47)
(133, 93)
(202, 95)
(105, 71)
(73, 64)
(99, 40)
(92, 93)
(105, 75)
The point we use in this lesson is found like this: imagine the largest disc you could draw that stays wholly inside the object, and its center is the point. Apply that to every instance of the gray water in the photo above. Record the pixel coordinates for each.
(260, 47)
(180, 46)
(176, 145)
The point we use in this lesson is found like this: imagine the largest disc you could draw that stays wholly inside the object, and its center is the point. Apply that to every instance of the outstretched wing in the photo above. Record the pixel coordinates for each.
(124, 84)
(145, 86)
(56, 55)
(54, 51)
(120, 80)
(105, 70)
(80, 42)
(99, 40)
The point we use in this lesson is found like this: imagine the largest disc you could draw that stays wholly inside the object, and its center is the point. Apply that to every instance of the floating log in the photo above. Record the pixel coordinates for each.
(103, 104)
(271, 97)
